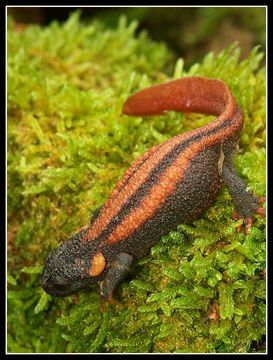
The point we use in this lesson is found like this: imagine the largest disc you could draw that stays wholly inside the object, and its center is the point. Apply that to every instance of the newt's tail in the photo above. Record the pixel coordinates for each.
(190, 94)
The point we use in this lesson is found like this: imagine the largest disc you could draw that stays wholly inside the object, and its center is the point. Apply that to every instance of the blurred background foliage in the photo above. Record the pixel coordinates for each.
(189, 32)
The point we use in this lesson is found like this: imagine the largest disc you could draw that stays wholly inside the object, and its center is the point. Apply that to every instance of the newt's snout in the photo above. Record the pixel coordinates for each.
(54, 280)
(67, 267)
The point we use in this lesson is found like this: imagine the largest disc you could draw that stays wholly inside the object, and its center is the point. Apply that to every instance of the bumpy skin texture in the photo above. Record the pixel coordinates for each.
(172, 183)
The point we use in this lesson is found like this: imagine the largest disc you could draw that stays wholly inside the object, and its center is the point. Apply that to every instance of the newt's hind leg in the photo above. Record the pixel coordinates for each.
(246, 203)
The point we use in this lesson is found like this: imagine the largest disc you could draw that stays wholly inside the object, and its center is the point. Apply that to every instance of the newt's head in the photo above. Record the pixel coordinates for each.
(73, 265)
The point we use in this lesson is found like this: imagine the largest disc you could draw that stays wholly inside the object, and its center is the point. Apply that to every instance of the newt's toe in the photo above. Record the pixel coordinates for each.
(261, 211)
(261, 199)
(248, 223)
(103, 305)
(249, 220)
(105, 301)
(235, 216)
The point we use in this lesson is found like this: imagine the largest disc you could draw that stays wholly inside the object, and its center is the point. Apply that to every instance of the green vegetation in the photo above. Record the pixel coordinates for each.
(202, 288)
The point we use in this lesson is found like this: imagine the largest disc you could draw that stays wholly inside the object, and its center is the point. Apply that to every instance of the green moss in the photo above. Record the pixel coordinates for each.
(68, 144)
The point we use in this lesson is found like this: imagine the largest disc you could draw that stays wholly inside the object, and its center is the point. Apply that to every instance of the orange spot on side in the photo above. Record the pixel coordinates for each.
(98, 264)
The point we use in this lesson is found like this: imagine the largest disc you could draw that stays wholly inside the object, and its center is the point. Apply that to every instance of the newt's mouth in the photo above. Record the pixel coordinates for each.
(50, 287)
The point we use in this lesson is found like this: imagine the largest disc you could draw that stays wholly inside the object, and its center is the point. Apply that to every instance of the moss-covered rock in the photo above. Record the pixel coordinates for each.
(202, 289)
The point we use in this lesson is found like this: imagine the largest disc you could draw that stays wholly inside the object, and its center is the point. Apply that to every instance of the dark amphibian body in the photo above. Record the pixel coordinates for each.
(172, 183)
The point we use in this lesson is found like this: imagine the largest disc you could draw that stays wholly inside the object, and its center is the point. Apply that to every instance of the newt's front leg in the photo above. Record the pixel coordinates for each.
(246, 203)
(117, 271)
